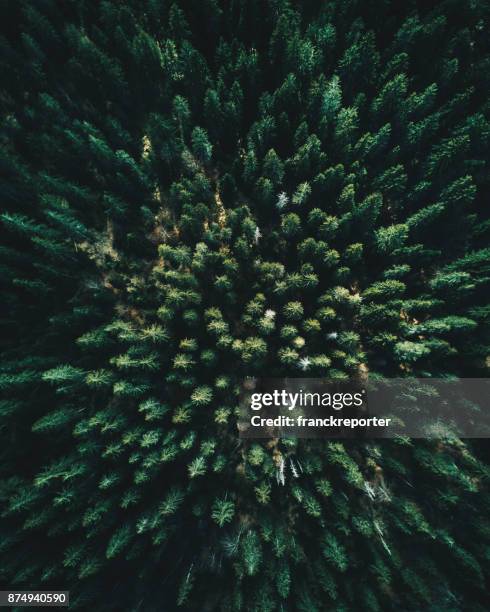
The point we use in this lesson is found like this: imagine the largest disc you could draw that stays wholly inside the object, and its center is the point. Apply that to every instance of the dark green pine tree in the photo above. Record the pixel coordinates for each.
(198, 191)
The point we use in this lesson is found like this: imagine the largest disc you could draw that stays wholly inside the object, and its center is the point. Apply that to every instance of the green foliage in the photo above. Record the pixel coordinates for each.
(201, 146)
(198, 192)
(223, 511)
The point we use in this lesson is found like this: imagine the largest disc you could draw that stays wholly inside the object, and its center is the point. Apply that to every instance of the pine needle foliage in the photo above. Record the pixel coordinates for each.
(197, 191)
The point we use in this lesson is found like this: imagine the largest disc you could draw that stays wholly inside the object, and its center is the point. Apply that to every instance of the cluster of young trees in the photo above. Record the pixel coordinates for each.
(196, 191)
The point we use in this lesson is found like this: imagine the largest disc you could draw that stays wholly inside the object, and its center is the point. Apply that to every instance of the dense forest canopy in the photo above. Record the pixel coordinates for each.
(197, 191)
